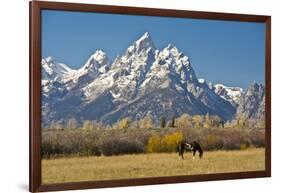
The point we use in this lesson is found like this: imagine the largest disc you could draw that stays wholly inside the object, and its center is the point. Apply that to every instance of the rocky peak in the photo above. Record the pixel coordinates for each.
(255, 89)
(251, 104)
(54, 70)
(177, 63)
(97, 62)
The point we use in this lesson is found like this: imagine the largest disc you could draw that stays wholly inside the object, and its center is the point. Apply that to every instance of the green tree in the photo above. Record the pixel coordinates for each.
(162, 122)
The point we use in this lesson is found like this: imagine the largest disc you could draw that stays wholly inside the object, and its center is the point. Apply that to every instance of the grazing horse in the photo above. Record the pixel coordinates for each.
(194, 146)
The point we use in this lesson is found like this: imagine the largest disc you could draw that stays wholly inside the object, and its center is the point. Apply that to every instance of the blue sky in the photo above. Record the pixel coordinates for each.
(225, 52)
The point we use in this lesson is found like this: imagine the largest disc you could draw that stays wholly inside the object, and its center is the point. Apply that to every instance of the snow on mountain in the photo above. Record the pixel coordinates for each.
(170, 64)
(142, 81)
(127, 72)
(67, 78)
(98, 63)
(252, 103)
(52, 70)
(231, 94)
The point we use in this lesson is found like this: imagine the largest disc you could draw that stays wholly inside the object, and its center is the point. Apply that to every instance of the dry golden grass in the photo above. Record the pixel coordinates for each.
(76, 169)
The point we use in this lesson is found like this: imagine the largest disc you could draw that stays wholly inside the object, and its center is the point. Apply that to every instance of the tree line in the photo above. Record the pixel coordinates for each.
(185, 120)
(144, 136)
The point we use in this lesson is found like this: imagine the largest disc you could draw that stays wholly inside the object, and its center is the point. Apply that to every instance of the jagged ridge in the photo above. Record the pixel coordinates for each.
(143, 81)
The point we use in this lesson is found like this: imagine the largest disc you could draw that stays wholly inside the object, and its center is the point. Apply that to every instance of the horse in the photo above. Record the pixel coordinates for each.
(194, 146)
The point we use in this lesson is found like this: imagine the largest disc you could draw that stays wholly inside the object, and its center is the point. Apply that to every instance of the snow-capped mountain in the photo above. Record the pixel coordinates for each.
(55, 71)
(142, 81)
(252, 103)
(97, 64)
(231, 94)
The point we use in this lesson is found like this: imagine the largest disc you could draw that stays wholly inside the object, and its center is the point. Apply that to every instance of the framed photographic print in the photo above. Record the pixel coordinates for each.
(123, 96)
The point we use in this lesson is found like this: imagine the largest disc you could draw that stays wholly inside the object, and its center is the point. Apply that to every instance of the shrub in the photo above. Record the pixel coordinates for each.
(118, 147)
(167, 143)
(257, 137)
(154, 144)
(211, 142)
(95, 138)
(170, 142)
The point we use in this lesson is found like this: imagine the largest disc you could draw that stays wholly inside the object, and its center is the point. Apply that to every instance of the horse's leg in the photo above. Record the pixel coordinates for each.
(194, 152)
(182, 154)
(179, 150)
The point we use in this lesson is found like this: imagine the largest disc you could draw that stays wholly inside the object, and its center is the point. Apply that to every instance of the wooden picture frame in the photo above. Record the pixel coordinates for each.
(35, 94)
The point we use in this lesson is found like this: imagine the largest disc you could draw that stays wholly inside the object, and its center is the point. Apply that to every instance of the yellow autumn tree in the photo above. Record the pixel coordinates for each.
(198, 121)
(154, 144)
(167, 143)
(170, 142)
(123, 123)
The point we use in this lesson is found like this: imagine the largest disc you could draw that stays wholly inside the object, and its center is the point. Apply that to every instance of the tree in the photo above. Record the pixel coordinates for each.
(162, 122)
(88, 125)
(222, 122)
(56, 125)
(215, 120)
(154, 144)
(71, 124)
(124, 123)
(198, 120)
(172, 123)
(170, 142)
(184, 121)
(146, 122)
(207, 123)
(241, 123)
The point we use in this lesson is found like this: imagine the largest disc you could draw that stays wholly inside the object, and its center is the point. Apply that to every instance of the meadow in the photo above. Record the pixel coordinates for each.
(92, 168)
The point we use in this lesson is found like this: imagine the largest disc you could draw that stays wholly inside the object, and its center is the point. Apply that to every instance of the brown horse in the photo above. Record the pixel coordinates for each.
(194, 146)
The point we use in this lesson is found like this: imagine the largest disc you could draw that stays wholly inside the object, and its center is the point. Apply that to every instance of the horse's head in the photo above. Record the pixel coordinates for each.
(188, 146)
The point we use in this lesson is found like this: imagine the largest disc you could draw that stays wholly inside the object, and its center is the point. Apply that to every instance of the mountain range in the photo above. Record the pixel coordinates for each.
(142, 81)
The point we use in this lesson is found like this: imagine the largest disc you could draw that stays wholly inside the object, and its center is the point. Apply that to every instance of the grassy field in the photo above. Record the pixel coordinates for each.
(74, 169)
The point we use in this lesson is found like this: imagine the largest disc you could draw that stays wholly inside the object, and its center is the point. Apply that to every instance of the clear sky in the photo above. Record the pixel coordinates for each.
(232, 53)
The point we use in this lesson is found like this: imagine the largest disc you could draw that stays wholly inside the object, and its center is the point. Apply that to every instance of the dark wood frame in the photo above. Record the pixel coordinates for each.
(35, 8)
